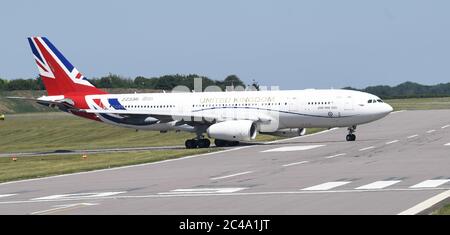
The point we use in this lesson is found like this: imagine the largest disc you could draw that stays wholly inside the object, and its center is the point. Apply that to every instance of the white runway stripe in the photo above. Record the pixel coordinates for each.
(6, 195)
(203, 191)
(379, 184)
(426, 204)
(337, 155)
(392, 142)
(327, 186)
(447, 144)
(293, 148)
(431, 131)
(412, 136)
(445, 126)
(364, 149)
(295, 163)
(233, 175)
(430, 183)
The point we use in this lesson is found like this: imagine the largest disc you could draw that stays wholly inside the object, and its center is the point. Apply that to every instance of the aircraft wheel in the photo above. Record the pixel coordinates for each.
(350, 137)
(191, 144)
(204, 143)
(220, 143)
(234, 143)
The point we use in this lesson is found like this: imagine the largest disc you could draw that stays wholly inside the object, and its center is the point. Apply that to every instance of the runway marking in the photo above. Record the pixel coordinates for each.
(430, 183)
(337, 155)
(431, 131)
(303, 136)
(7, 195)
(412, 136)
(391, 142)
(364, 149)
(379, 184)
(295, 163)
(445, 126)
(293, 148)
(77, 196)
(203, 191)
(229, 176)
(327, 186)
(161, 162)
(426, 204)
(131, 166)
(447, 144)
(201, 194)
(61, 208)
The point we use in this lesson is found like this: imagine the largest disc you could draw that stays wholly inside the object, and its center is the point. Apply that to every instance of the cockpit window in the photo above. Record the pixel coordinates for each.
(370, 101)
(380, 101)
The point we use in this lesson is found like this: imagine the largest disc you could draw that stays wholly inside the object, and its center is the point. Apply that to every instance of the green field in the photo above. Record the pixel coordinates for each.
(33, 167)
(420, 103)
(19, 106)
(61, 131)
(443, 211)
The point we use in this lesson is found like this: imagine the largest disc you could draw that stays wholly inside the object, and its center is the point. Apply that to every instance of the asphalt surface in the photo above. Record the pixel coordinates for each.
(395, 164)
(87, 151)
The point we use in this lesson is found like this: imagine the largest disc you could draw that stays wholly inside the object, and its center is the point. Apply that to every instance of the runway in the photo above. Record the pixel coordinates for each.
(88, 151)
(399, 164)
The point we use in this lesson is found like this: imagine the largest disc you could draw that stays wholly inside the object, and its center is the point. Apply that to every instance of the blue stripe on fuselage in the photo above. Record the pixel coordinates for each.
(115, 104)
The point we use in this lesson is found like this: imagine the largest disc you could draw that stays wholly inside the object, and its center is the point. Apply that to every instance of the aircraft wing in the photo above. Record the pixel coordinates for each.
(62, 104)
(182, 117)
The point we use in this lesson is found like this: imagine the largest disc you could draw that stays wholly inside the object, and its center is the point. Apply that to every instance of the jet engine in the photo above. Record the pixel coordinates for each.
(236, 130)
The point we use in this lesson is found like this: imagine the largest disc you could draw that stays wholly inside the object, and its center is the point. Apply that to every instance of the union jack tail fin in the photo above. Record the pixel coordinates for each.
(59, 76)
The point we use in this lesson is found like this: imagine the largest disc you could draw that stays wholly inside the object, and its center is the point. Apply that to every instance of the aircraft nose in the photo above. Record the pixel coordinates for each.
(388, 108)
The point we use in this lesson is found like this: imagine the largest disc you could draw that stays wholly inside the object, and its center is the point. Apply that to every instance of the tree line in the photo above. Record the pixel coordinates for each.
(408, 90)
(166, 82)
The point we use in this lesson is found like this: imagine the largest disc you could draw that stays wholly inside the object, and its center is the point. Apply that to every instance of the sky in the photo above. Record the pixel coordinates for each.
(291, 44)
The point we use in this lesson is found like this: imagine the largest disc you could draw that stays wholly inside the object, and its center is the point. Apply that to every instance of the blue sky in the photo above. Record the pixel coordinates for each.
(293, 44)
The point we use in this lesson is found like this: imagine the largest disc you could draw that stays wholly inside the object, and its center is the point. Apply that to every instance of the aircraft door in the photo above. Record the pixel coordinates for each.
(347, 103)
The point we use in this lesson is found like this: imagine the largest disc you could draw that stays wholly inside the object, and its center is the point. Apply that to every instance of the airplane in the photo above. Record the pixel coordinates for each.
(228, 117)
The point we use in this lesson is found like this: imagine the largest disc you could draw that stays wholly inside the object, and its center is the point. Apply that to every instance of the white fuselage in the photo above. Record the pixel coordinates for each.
(277, 109)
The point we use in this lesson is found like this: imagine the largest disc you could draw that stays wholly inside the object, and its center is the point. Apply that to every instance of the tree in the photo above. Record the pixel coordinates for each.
(2, 84)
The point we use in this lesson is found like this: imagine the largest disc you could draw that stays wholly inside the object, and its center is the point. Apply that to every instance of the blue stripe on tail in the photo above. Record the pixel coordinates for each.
(35, 51)
(60, 56)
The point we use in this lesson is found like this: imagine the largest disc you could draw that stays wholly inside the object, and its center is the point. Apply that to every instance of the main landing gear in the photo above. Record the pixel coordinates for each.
(225, 143)
(351, 136)
(205, 143)
(197, 143)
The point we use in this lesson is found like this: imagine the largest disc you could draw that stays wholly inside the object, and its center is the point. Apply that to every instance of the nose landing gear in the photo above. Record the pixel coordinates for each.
(351, 136)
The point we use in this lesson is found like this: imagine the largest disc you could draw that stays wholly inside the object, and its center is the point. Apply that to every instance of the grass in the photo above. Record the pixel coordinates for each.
(9, 106)
(443, 211)
(60, 131)
(420, 103)
(33, 167)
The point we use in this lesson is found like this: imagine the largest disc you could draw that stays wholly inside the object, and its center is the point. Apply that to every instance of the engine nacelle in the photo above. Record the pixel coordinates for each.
(236, 130)
(289, 132)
